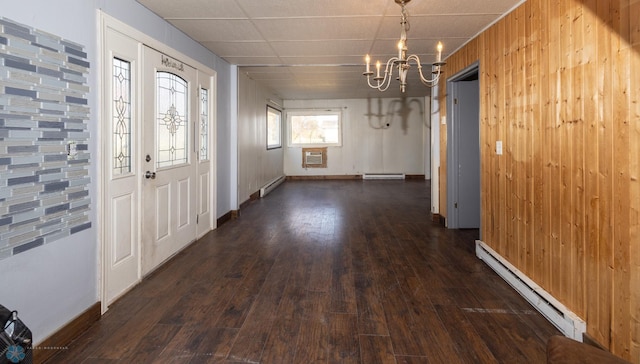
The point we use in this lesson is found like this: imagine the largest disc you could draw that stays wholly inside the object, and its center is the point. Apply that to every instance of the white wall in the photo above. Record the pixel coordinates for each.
(378, 136)
(52, 284)
(256, 165)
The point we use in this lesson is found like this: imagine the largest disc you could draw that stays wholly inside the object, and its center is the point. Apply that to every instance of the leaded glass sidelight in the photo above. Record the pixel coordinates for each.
(204, 124)
(172, 118)
(121, 117)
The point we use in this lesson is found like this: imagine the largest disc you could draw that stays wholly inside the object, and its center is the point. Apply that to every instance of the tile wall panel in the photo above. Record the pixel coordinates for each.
(44, 97)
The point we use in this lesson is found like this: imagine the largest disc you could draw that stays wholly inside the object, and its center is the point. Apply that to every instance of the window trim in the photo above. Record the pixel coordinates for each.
(303, 112)
(273, 110)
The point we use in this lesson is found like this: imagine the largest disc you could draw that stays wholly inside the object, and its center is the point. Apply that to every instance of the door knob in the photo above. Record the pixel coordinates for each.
(150, 175)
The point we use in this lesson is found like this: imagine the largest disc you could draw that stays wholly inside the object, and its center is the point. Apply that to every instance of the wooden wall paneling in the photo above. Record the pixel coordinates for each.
(510, 241)
(501, 77)
(560, 86)
(497, 193)
(592, 210)
(489, 133)
(565, 147)
(554, 146)
(620, 330)
(578, 204)
(634, 190)
(485, 145)
(544, 239)
(538, 36)
(568, 131)
(530, 101)
(519, 171)
(566, 128)
(521, 135)
(600, 329)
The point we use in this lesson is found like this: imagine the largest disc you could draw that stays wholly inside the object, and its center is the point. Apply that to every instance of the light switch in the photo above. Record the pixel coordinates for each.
(499, 147)
(72, 150)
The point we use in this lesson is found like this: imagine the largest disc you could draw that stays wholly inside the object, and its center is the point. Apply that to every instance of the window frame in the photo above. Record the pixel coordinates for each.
(274, 111)
(313, 112)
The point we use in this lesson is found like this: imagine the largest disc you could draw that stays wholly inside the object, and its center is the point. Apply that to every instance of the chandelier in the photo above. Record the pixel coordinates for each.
(401, 63)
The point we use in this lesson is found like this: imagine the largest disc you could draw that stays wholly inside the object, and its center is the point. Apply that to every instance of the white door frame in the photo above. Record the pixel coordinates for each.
(106, 22)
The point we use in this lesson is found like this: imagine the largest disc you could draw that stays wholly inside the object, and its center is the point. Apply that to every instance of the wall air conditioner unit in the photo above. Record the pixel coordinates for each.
(313, 158)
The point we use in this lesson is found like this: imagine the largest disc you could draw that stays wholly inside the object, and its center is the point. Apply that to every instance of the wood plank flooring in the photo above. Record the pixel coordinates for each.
(323, 272)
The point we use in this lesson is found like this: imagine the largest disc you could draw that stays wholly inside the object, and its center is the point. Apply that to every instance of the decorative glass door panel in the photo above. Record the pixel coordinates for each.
(172, 117)
(121, 115)
(204, 124)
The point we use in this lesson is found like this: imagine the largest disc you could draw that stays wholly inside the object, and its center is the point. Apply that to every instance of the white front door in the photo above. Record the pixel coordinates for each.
(120, 161)
(158, 116)
(169, 159)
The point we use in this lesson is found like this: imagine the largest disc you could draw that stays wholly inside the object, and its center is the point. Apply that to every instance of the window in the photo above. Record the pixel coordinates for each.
(274, 128)
(314, 128)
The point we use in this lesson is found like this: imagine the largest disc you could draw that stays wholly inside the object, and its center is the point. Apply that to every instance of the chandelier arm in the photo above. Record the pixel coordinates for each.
(388, 73)
(428, 82)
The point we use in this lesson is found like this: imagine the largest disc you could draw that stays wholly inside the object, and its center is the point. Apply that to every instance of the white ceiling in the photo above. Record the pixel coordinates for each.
(314, 49)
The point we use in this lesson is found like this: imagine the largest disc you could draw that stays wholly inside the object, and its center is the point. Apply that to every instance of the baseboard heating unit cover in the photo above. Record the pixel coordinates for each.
(271, 186)
(560, 316)
(383, 176)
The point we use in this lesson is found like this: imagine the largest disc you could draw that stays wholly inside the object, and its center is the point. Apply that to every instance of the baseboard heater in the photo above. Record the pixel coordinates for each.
(559, 315)
(271, 186)
(383, 176)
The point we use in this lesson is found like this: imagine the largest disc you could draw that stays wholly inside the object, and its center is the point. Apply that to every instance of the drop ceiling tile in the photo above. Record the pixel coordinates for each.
(268, 76)
(334, 60)
(460, 7)
(288, 8)
(264, 69)
(437, 27)
(171, 9)
(240, 49)
(320, 48)
(354, 28)
(253, 61)
(218, 30)
(273, 33)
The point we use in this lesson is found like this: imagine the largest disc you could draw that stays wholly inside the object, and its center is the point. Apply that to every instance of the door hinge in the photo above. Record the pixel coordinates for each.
(455, 101)
(455, 205)
(197, 219)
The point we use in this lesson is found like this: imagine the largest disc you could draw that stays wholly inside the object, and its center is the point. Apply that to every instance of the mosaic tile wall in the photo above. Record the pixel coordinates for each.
(44, 158)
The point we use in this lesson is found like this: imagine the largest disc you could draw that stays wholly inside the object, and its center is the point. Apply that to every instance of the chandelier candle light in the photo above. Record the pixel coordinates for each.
(402, 61)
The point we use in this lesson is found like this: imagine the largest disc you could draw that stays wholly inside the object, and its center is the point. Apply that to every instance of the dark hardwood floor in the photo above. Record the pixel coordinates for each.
(323, 271)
